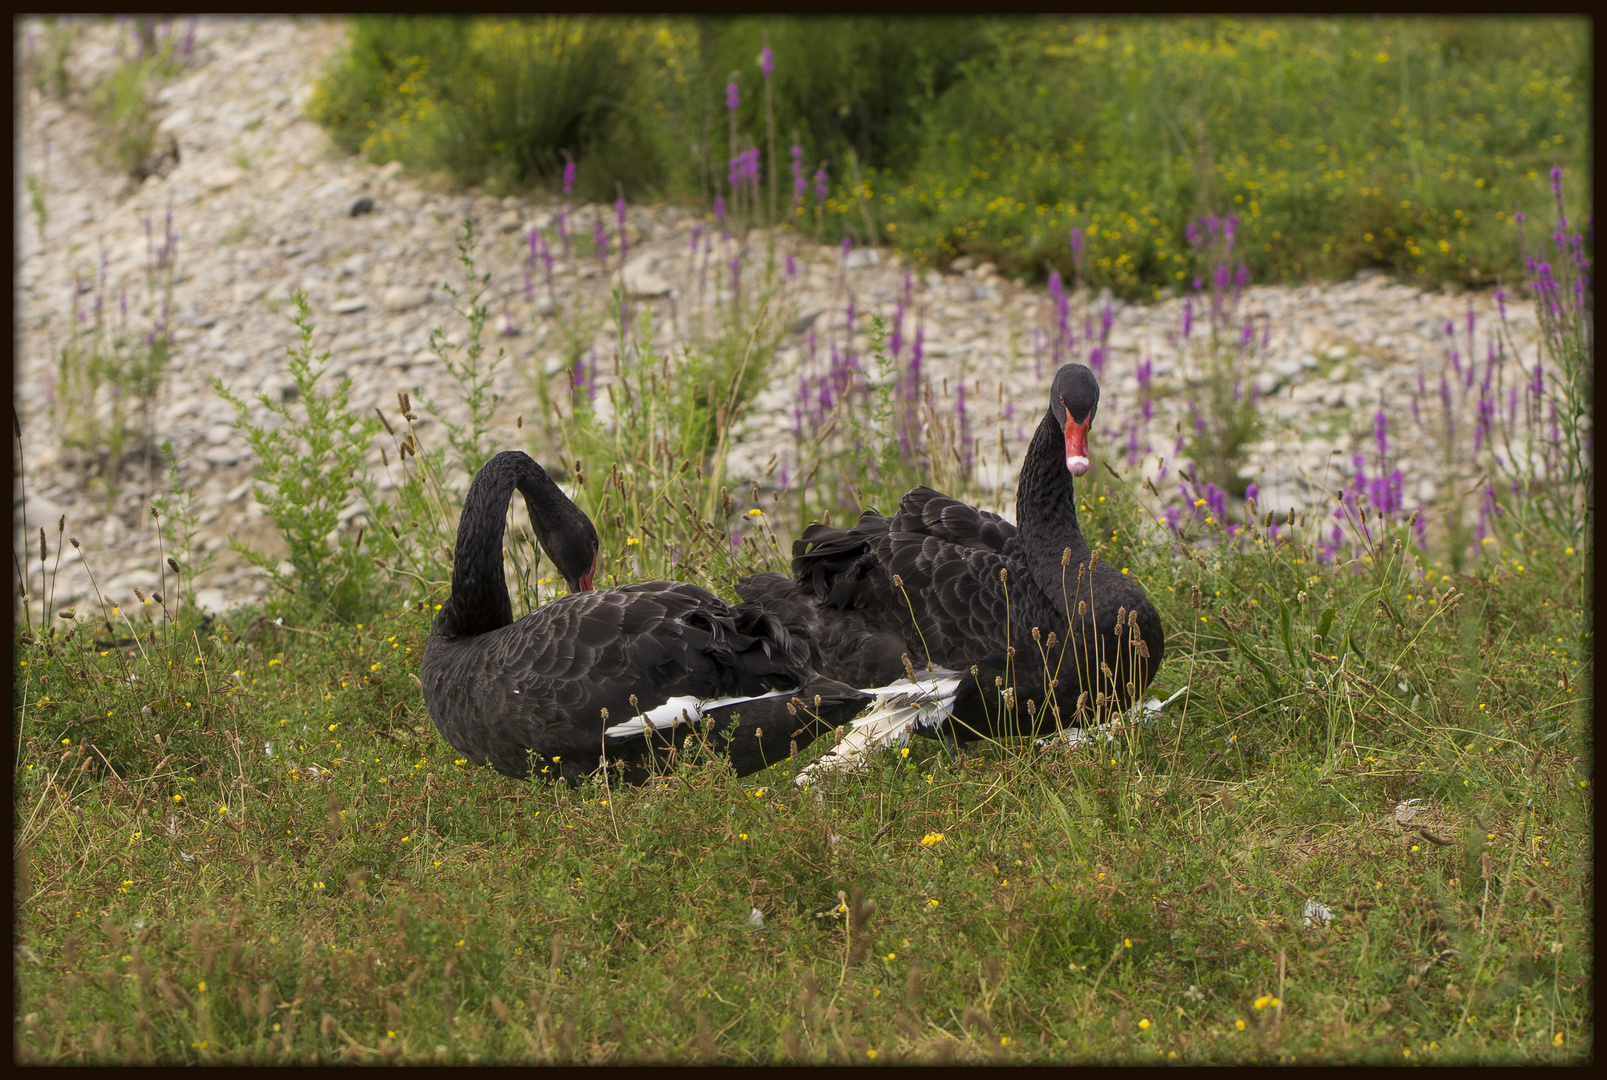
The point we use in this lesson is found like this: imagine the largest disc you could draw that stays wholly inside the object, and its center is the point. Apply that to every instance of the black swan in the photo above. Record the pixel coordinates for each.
(1020, 619)
(629, 672)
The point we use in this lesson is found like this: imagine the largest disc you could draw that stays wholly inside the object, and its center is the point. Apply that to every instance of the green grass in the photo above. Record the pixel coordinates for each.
(240, 840)
(364, 895)
(1340, 144)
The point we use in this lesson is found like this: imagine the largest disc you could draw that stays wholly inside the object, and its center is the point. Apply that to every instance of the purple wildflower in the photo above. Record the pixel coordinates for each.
(820, 185)
(569, 179)
(732, 98)
(767, 62)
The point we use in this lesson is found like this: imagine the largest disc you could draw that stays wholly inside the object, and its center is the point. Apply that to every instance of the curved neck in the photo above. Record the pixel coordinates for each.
(1046, 513)
(479, 602)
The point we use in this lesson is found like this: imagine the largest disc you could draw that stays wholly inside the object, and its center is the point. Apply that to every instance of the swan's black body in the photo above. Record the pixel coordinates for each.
(529, 696)
(927, 581)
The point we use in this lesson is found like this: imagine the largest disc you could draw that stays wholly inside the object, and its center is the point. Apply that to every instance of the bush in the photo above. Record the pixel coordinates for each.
(494, 101)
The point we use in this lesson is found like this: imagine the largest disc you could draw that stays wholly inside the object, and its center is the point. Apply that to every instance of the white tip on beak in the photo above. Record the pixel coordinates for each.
(1077, 465)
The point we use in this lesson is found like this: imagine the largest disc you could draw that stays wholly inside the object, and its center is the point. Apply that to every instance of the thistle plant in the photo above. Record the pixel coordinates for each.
(110, 370)
(1548, 467)
(1225, 418)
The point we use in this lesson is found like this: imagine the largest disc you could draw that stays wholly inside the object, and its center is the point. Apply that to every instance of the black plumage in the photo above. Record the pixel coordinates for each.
(1024, 612)
(536, 696)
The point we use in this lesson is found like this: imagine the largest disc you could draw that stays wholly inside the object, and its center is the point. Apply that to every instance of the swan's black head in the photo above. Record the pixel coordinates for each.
(572, 547)
(1074, 399)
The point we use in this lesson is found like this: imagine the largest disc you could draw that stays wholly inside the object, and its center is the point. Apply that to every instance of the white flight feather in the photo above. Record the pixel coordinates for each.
(902, 708)
(684, 710)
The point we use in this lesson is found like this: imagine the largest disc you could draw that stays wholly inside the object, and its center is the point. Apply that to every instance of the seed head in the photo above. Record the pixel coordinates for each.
(172, 563)
(1004, 571)
(1291, 520)
(1082, 701)
(909, 668)
(1195, 600)
(1065, 557)
(1301, 596)
(1050, 644)
(604, 711)
(1397, 548)
(1035, 636)
(73, 540)
(898, 581)
(1082, 608)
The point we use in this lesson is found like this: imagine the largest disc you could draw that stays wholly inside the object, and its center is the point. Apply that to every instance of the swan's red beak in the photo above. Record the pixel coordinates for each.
(584, 584)
(1076, 445)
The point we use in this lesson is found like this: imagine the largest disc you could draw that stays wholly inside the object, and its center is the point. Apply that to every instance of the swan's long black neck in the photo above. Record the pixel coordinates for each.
(479, 602)
(1046, 514)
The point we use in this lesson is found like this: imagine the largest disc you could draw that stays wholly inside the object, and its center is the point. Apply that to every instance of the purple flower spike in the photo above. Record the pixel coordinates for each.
(1188, 313)
(1251, 492)
(799, 186)
(820, 185)
(569, 179)
(767, 62)
(599, 241)
(791, 267)
(719, 208)
(848, 244)
(1242, 278)
(732, 98)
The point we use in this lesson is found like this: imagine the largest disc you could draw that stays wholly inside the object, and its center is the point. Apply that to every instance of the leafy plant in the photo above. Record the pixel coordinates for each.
(307, 465)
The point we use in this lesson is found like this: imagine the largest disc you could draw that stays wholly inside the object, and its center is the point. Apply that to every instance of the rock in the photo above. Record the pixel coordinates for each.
(802, 323)
(962, 264)
(508, 221)
(222, 179)
(348, 307)
(221, 455)
(1288, 369)
(214, 601)
(219, 434)
(364, 205)
(400, 298)
(641, 282)
(860, 258)
(281, 388)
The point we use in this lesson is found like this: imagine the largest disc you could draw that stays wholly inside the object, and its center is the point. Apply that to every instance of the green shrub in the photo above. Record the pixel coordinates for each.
(495, 101)
(306, 470)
